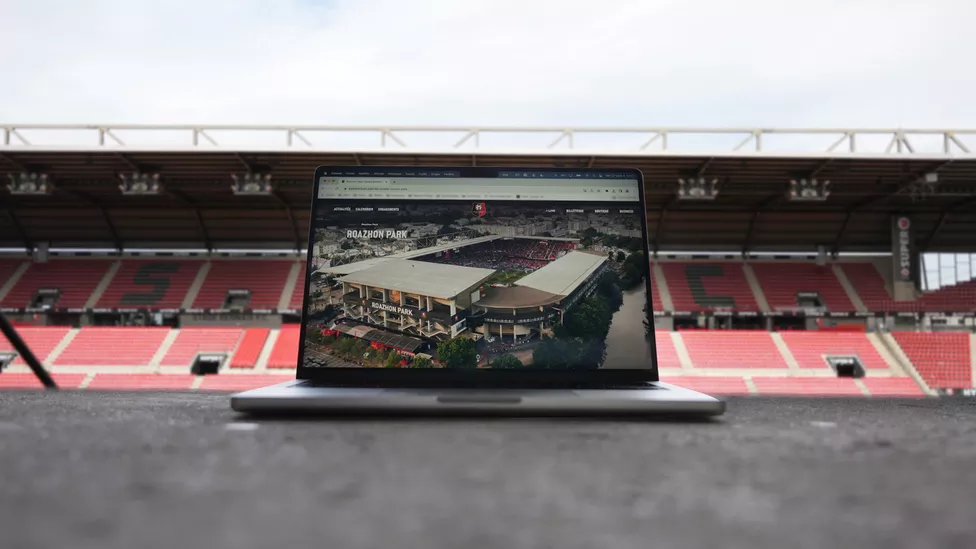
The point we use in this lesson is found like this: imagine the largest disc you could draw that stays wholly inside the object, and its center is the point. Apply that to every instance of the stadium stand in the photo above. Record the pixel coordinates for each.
(265, 279)
(7, 269)
(141, 381)
(27, 380)
(191, 341)
(732, 349)
(708, 286)
(810, 347)
(298, 293)
(285, 352)
(112, 346)
(667, 356)
(42, 340)
(892, 386)
(76, 279)
(782, 282)
(249, 348)
(941, 358)
(821, 386)
(717, 385)
(239, 382)
(154, 284)
(871, 288)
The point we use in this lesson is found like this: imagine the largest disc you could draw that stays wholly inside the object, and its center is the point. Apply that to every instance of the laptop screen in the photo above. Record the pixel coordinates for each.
(477, 268)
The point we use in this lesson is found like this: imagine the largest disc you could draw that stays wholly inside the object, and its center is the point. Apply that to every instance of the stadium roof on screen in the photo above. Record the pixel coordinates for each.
(565, 274)
(420, 277)
(374, 261)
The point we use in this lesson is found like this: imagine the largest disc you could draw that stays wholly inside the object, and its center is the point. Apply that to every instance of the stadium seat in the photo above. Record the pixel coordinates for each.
(75, 278)
(7, 269)
(941, 358)
(112, 346)
(27, 380)
(870, 287)
(709, 286)
(250, 348)
(809, 348)
(732, 349)
(667, 356)
(713, 385)
(242, 382)
(892, 386)
(806, 386)
(298, 294)
(151, 284)
(191, 341)
(782, 281)
(264, 279)
(141, 381)
(42, 340)
(285, 352)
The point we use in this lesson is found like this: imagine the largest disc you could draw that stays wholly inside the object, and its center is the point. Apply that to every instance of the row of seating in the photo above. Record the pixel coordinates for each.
(692, 286)
(726, 385)
(944, 360)
(153, 283)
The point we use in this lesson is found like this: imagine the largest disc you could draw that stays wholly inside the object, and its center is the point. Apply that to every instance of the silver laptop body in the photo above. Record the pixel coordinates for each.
(515, 291)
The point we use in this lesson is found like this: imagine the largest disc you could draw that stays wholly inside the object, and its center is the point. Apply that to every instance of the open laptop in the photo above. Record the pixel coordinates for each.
(477, 290)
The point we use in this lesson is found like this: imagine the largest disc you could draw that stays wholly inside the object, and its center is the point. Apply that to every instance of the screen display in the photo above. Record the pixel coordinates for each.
(505, 269)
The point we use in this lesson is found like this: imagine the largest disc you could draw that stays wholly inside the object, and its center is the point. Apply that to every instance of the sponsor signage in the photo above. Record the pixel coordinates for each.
(392, 308)
(903, 248)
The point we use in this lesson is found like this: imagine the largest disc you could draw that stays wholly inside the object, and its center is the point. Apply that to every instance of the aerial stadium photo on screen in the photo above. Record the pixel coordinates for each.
(477, 284)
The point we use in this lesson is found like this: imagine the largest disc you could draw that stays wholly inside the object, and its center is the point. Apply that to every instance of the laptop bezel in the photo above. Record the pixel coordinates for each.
(444, 376)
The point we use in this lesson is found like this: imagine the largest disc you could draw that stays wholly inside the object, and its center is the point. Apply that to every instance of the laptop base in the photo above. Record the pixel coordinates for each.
(297, 396)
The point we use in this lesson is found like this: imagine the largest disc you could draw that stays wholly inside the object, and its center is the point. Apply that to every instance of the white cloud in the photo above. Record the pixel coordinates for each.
(699, 63)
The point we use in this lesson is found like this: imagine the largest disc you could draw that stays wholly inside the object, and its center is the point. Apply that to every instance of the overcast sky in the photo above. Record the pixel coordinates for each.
(834, 63)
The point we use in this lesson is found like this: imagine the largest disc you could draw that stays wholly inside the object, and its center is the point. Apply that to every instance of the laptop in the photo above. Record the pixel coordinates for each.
(517, 291)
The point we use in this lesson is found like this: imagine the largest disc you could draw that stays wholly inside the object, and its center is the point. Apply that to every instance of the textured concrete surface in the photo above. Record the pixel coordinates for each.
(127, 470)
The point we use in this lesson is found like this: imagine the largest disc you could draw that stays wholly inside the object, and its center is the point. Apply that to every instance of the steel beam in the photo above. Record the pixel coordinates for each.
(291, 220)
(28, 244)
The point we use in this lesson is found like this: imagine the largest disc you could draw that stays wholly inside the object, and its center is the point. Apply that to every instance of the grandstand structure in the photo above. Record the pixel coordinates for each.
(754, 293)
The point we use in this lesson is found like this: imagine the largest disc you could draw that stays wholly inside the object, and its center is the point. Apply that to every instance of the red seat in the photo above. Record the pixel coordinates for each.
(732, 349)
(892, 386)
(193, 340)
(241, 382)
(871, 288)
(111, 346)
(809, 348)
(806, 386)
(708, 286)
(298, 294)
(250, 348)
(21, 380)
(713, 385)
(782, 281)
(941, 358)
(141, 381)
(150, 284)
(285, 352)
(41, 339)
(667, 356)
(265, 280)
(76, 278)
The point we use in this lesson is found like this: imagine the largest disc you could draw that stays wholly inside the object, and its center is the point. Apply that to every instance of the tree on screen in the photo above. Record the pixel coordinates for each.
(392, 359)
(507, 362)
(457, 353)
(421, 362)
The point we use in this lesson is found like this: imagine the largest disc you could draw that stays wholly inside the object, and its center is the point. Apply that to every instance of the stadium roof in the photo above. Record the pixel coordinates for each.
(517, 296)
(565, 274)
(751, 212)
(420, 277)
(374, 261)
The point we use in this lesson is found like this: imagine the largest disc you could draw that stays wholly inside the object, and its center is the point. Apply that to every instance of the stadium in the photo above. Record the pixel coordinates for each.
(179, 278)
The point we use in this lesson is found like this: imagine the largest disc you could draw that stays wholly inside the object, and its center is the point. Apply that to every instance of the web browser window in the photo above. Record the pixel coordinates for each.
(429, 269)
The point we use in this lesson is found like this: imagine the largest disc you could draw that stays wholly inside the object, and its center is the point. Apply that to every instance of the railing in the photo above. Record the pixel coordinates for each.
(455, 139)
